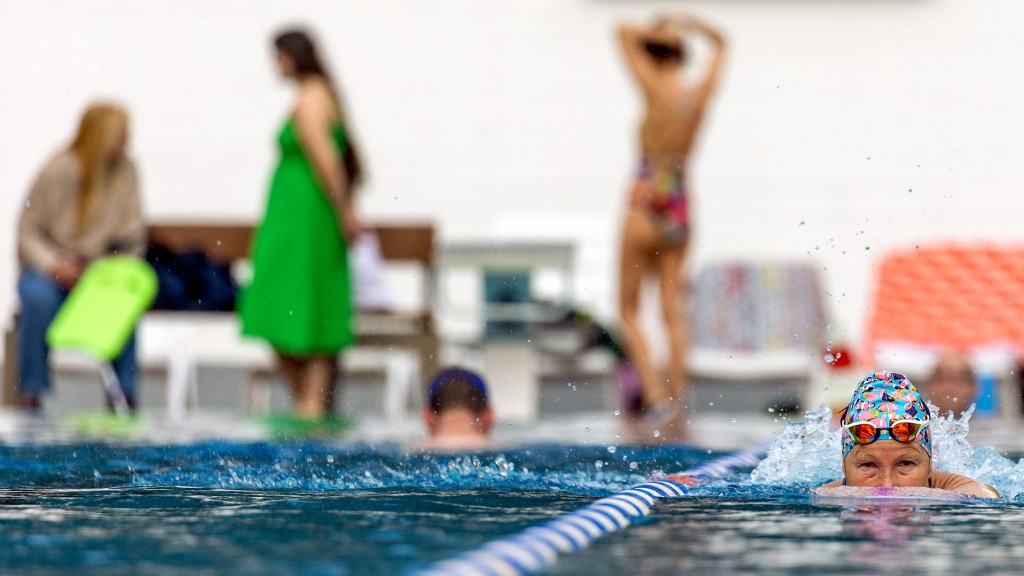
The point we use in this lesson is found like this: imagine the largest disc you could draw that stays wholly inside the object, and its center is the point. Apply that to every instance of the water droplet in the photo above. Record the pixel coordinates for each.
(586, 429)
(618, 412)
(771, 410)
(657, 433)
(802, 222)
(633, 465)
(612, 449)
(599, 464)
(733, 420)
(28, 203)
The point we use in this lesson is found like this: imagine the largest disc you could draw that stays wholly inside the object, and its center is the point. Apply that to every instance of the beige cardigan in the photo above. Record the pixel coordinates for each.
(46, 228)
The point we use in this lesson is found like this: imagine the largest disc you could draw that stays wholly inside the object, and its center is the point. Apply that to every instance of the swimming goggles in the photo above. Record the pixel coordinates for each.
(901, 430)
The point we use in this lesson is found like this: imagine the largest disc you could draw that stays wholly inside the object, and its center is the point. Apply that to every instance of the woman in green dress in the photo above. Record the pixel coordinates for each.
(299, 299)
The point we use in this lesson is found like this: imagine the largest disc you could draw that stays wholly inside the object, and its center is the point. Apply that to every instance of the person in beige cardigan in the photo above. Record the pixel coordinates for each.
(83, 205)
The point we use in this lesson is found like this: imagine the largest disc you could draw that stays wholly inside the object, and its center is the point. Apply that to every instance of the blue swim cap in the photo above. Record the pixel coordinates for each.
(456, 375)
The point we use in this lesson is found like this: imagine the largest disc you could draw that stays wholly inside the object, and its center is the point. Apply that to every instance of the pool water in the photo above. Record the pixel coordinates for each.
(352, 509)
(748, 532)
(297, 508)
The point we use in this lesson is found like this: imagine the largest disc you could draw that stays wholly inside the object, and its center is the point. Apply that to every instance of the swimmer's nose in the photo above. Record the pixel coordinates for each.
(888, 478)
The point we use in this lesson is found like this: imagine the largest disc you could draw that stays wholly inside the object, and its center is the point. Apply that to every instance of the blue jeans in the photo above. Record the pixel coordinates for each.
(41, 297)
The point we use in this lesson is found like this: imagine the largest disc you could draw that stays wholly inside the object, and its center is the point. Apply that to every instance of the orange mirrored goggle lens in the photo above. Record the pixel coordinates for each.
(867, 433)
(863, 433)
(905, 431)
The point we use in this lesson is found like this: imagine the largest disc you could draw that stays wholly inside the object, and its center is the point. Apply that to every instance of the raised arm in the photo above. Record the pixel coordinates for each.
(686, 23)
(631, 40)
(313, 118)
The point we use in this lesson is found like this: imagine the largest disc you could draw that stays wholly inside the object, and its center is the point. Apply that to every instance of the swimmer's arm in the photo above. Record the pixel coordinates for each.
(961, 484)
(631, 39)
(979, 489)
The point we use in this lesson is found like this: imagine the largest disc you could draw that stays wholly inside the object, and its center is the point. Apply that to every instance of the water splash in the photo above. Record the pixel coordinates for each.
(951, 452)
(954, 453)
(802, 453)
(316, 467)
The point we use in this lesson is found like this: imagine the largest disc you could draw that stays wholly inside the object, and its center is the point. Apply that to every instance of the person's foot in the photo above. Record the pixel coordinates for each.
(31, 403)
(665, 423)
(661, 413)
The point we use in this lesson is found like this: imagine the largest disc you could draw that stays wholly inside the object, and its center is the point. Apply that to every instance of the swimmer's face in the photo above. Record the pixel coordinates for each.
(887, 463)
(952, 385)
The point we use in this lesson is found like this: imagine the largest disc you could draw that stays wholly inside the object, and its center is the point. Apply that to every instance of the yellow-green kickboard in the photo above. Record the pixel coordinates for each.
(100, 313)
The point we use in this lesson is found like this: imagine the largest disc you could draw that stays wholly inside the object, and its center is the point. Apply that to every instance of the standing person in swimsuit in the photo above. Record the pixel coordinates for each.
(299, 299)
(656, 229)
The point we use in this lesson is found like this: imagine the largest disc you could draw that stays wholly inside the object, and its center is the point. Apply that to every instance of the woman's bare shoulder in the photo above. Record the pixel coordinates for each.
(962, 484)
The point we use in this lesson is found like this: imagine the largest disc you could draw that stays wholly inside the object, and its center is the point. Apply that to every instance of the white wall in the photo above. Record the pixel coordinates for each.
(843, 127)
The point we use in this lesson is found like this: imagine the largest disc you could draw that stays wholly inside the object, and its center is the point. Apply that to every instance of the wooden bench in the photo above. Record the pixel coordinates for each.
(229, 243)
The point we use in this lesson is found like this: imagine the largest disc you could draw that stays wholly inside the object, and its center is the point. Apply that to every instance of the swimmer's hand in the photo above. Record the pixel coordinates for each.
(683, 479)
(980, 490)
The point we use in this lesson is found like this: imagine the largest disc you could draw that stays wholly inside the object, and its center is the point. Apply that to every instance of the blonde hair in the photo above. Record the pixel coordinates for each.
(101, 123)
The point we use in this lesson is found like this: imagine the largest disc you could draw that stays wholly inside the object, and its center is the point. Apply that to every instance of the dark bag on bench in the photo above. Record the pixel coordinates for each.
(191, 281)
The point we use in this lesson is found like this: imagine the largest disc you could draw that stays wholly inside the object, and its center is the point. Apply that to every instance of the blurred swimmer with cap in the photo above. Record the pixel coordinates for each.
(458, 414)
(887, 441)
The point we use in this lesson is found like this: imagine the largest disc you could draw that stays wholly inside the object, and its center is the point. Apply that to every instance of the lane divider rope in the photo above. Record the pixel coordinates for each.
(538, 547)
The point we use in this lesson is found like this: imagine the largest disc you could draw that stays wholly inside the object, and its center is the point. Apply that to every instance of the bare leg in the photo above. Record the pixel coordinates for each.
(331, 397)
(309, 379)
(635, 262)
(294, 370)
(309, 401)
(672, 293)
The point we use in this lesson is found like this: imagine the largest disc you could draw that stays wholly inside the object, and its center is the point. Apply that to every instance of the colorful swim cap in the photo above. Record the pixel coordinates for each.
(881, 399)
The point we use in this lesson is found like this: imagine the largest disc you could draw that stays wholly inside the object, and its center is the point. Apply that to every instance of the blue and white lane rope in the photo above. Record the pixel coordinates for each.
(539, 547)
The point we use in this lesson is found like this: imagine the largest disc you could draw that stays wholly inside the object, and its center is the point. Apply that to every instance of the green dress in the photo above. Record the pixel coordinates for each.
(299, 299)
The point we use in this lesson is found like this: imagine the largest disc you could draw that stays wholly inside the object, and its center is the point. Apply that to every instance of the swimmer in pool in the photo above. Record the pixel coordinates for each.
(458, 413)
(887, 441)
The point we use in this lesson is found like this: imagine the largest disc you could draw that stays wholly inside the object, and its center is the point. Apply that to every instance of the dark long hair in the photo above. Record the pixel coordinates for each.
(299, 48)
(665, 54)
